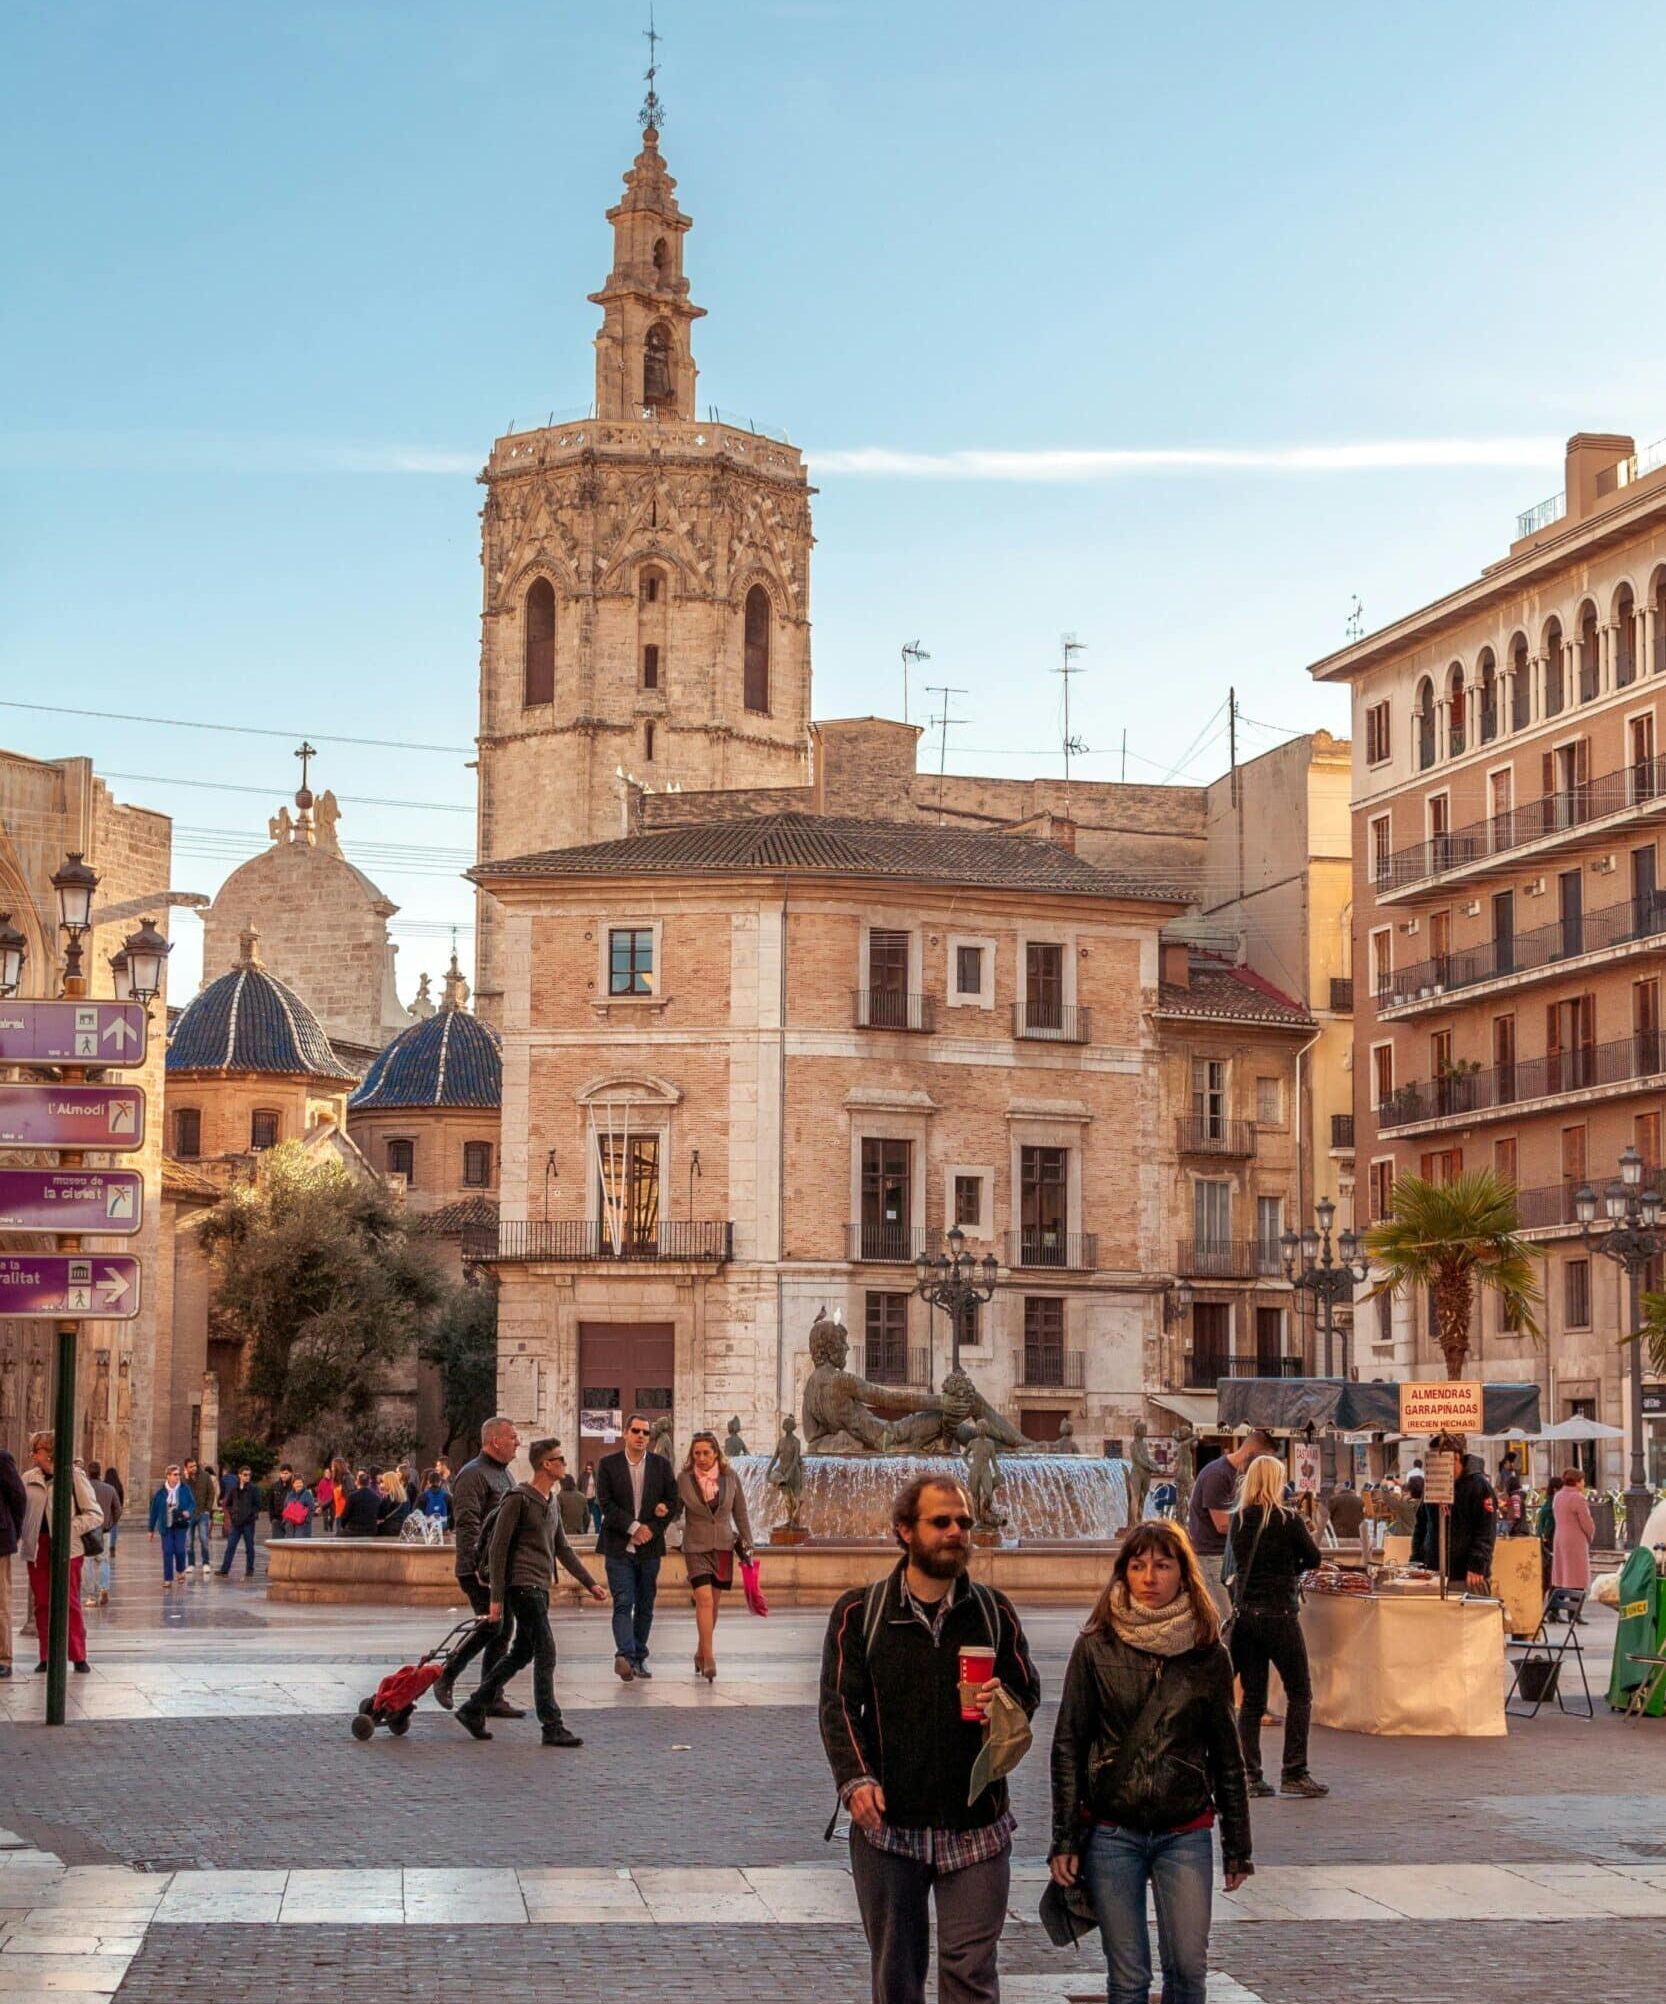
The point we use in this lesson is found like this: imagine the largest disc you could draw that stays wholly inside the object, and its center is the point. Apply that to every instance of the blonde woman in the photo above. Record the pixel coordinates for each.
(1271, 1549)
(715, 1529)
(395, 1505)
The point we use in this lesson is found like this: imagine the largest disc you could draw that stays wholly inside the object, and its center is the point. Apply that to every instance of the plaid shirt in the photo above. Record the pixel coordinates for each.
(948, 1850)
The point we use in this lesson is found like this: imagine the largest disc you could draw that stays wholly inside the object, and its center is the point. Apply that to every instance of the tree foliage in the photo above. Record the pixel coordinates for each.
(1456, 1239)
(462, 1341)
(323, 1277)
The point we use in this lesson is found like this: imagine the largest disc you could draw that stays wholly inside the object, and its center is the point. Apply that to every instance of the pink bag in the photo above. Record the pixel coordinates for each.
(754, 1591)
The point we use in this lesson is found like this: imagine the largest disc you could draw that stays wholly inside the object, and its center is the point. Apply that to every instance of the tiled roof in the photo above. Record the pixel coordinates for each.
(825, 846)
(249, 1021)
(465, 1214)
(450, 1059)
(1220, 992)
(190, 1184)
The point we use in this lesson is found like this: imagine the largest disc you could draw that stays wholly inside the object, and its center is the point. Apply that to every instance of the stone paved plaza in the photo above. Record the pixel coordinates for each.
(206, 1827)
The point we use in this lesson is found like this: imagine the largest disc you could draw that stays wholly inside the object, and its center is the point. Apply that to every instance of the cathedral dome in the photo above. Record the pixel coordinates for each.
(249, 1021)
(452, 1059)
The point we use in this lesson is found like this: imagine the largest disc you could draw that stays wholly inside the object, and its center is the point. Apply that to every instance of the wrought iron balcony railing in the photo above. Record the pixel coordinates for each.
(1208, 1134)
(1050, 1368)
(1075, 1252)
(1208, 1367)
(1055, 1022)
(892, 1009)
(892, 1364)
(889, 1245)
(1342, 1130)
(589, 1239)
(1621, 924)
(1581, 1069)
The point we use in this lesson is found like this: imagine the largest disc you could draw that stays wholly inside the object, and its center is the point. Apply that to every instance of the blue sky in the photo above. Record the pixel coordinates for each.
(280, 273)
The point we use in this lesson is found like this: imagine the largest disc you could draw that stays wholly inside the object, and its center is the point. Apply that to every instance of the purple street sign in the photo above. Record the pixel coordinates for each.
(71, 1200)
(36, 1287)
(111, 1118)
(72, 1033)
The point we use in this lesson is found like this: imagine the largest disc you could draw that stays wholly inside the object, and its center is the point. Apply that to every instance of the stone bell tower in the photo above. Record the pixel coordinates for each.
(646, 580)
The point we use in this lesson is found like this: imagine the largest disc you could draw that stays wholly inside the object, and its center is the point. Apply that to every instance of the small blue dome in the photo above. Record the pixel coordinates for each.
(249, 1021)
(452, 1059)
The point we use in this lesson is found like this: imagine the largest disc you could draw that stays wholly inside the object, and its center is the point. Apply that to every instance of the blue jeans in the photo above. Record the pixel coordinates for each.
(173, 1553)
(1117, 1867)
(243, 1534)
(197, 1534)
(632, 1583)
(108, 1554)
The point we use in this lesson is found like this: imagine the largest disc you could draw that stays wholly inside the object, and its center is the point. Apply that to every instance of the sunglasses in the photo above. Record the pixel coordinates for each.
(636, 1429)
(943, 1523)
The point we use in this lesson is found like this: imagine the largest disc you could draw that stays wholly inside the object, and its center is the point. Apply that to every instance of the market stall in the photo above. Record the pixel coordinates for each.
(1405, 1663)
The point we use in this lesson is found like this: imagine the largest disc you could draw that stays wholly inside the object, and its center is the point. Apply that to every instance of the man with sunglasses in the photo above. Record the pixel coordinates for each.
(902, 1756)
(638, 1495)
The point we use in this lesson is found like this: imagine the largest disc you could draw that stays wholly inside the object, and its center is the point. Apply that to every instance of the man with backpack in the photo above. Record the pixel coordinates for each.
(902, 1752)
(480, 1483)
(522, 1538)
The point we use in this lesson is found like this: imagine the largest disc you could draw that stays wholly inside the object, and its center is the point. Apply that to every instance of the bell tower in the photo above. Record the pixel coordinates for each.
(646, 580)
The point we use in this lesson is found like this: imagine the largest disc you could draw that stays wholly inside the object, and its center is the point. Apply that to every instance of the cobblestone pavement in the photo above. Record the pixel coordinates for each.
(1541, 1853)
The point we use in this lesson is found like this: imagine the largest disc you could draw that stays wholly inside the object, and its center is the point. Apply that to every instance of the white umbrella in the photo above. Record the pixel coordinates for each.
(1579, 1427)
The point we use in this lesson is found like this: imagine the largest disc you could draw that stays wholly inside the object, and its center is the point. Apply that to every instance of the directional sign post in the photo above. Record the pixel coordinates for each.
(41, 1287)
(73, 1033)
(111, 1201)
(110, 1117)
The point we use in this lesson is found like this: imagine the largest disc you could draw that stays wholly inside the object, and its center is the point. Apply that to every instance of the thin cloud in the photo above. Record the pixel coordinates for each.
(1116, 462)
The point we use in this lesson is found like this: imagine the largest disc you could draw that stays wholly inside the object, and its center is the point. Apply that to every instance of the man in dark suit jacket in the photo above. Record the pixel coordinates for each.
(638, 1495)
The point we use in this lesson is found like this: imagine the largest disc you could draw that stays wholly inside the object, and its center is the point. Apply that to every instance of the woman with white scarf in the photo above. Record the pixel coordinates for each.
(35, 1545)
(1145, 1759)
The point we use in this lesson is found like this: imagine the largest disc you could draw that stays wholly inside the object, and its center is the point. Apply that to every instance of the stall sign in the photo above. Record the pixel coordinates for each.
(1440, 1476)
(1307, 1468)
(1438, 1407)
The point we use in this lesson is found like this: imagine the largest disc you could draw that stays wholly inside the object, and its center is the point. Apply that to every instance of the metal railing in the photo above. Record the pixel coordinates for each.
(889, 1245)
(588, 1238)
(735, 422)
(893, 1365)
(1620, 924)
(1208, 1367)
(1207, 1134)
(1640, 784)
(1551, 1204)
(1580, 1069)
(1058, 1022)
(1531, 520)
(1064, 1370)
(1216, 1259)
(1074, 1252)
(1342, 1130)
(892, 1009)
(1342, 994)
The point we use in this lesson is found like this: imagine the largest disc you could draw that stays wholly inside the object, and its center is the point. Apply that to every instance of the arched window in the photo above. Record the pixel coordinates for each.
(1625, 638)
(1554, 670)
(1455, 719)
(662, 260)
(658, 386)
(1486, 670)
(1425, 724)
(1590, 660)
(538, 677)
(757, 650)
(1657, 656)
(1521, 684)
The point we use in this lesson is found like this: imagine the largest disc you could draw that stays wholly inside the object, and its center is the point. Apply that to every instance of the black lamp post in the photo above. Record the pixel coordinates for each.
(951, 1282)
(1329, 1280)
(74, 883)
(1632, 1237)
(145, 954)
(14, 950)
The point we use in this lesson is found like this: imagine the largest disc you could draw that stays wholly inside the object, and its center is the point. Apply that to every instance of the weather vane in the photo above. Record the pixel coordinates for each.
(652, 114)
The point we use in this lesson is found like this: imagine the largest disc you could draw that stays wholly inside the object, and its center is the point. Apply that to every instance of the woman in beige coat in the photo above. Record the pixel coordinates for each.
(35, 1544)
(716, 1531)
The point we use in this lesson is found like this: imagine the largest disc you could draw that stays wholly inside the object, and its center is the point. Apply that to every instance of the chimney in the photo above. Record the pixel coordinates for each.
(864, 768)
(1046, 826)
(1177, 964)
(1590, 455)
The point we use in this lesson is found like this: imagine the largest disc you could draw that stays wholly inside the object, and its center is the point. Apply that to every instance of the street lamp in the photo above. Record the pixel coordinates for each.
(1632, 1237)
(14, 950)
(74, 884)
(121, 978)
(1328, 1280)
(146, 953)
(951, 1282)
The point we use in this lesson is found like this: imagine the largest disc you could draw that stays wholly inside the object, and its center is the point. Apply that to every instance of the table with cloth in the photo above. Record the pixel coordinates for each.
(1408, 1665)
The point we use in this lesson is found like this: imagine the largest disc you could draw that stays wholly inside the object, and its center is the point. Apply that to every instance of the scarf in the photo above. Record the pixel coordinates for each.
(709, 1484)
(1159, 1631)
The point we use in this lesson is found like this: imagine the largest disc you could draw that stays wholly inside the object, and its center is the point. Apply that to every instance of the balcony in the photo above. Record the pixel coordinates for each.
(1551, 1206)
(1073, 1252)
(1630, 793)
(1226, 1259)
(1426, 984)
(1047, 1369)
(889, 1245)
(1051, 1022)
(1586, 1069)
(1341, 1133)
(891, 1364)
(1205, 1368)
(1342, 995)
(892, 1009)
(523, 1239)
(1208, 1134)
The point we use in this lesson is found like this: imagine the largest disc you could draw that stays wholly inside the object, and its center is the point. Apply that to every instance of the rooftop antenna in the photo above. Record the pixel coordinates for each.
(652, 115)
(1356, 619)
(1070, 647)
(912, 651)
(941, 725)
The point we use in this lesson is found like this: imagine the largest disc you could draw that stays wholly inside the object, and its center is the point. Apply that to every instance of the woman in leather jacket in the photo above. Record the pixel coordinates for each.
(1271, 1549)
(1145, 1758)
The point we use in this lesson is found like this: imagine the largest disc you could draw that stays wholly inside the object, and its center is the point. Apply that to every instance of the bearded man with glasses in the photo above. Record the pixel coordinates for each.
(902, 1752)
(638, 1494)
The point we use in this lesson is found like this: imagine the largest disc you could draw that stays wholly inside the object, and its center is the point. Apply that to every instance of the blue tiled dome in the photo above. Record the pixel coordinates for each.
(249, 1021)
(452, 1059)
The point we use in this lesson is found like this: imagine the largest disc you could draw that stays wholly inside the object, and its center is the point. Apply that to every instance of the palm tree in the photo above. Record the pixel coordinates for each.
(1453, 1238)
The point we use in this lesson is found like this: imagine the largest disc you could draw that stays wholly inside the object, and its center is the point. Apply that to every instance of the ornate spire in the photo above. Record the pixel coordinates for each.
(248, 946)
(456, 988)
(652, 115)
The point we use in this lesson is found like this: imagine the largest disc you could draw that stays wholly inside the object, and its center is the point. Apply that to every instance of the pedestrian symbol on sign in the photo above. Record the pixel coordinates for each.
(80, 1290)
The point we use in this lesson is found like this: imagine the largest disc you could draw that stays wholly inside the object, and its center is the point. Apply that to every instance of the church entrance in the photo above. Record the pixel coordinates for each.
(623, 1366)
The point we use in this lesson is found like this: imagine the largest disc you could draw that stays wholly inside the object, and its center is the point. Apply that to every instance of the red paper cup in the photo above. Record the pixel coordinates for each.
(977, 1666)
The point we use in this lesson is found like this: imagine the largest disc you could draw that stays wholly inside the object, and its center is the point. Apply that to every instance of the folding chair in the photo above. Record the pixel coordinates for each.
(1539, 1661)
(1643, 1694)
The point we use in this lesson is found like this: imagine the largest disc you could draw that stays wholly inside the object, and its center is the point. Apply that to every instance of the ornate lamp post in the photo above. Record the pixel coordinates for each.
(145, 954)
(14, 950)
(1329, 1280)
(951, 1282)
(1632, 1237)
(74, 884)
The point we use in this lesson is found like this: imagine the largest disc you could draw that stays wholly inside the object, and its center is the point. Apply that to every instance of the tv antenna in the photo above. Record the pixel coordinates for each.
(652, 113)
(940, 724)
(1356, 619)
(1071, 745)
(912, 652)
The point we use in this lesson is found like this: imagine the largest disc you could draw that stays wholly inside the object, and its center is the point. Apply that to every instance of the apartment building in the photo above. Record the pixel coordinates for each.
(1507, 804)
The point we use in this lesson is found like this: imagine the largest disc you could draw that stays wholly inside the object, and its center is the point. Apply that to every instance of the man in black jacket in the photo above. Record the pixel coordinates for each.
(480, 1483)
(242, 1508)
(638, 1494)
(902, 1755)
(14, 1507)
(1471, 1533)
(527, 1539)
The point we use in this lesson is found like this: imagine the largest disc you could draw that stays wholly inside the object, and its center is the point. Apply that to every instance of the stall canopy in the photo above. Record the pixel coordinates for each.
(1293, 1404)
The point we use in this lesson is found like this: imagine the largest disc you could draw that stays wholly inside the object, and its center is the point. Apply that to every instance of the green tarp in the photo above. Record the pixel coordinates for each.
(1641, 1632)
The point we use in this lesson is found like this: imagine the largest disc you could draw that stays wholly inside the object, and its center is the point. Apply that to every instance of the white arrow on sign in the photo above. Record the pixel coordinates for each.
(118, 1203)
(121, 1117)
(113, 1286)
(122, 1030)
